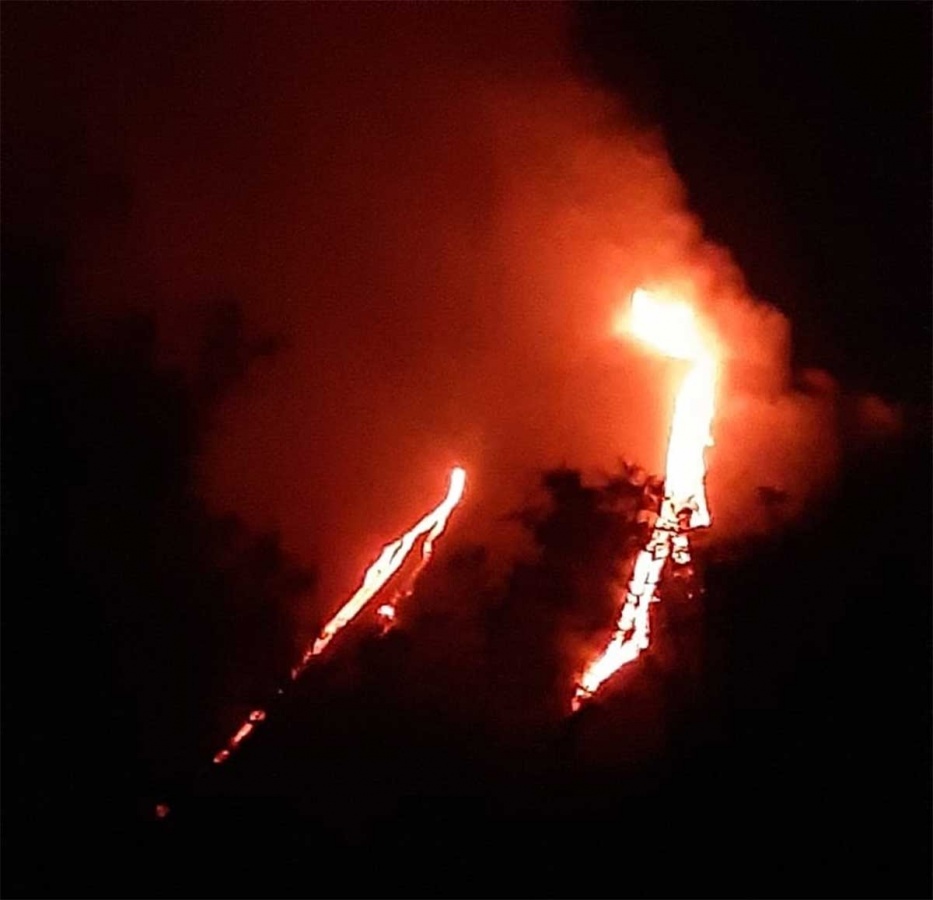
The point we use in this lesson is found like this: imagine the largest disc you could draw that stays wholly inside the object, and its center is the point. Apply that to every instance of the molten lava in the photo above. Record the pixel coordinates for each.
(388, 563)
(668, 325)
(377, 575)
(243, 732)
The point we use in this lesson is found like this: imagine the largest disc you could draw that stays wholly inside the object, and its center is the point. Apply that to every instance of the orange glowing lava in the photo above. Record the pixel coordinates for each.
(243, 732)
(388, 563)
(376, 577)
(669, 325)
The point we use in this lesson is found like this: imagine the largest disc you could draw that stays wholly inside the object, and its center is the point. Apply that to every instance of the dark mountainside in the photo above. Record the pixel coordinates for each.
(130, 602)
(771, 737)
(780, 724)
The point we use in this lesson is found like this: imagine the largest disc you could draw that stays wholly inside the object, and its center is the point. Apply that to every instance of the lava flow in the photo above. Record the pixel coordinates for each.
(244, 731)
(387, 611)
(669, 326)
(388, 563)
(377, 575)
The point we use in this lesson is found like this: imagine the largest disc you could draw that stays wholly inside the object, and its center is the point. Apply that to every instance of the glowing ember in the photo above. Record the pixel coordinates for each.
(669, 326)
(245, 729)
(388, 563)
(243, 732)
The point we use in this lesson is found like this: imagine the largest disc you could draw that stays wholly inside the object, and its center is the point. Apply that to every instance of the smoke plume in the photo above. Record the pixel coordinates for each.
(437, 218)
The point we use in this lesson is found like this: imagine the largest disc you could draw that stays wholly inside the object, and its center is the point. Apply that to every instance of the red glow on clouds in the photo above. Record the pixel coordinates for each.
(443, 248)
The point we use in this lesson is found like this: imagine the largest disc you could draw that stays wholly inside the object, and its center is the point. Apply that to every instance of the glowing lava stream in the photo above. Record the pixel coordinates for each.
(388, 563)
(387, 611)
(669, 326)
(244, 731)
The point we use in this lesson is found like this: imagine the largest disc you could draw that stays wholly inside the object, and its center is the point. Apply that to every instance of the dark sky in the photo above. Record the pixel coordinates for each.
(268, 271)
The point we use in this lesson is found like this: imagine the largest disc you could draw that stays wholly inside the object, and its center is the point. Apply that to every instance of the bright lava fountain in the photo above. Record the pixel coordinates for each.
(669, 326)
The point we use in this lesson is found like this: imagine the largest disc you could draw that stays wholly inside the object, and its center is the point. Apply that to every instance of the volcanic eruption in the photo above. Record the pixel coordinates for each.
(668, 324)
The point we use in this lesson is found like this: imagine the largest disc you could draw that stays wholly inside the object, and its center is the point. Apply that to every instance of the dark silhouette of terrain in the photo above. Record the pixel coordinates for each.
(777, 734)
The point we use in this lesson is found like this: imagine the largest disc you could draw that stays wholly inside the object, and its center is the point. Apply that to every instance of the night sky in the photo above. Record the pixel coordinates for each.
(269, 271)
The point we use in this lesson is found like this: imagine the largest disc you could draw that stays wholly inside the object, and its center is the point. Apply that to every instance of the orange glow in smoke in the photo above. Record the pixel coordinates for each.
(666, 323)
(669, 325)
